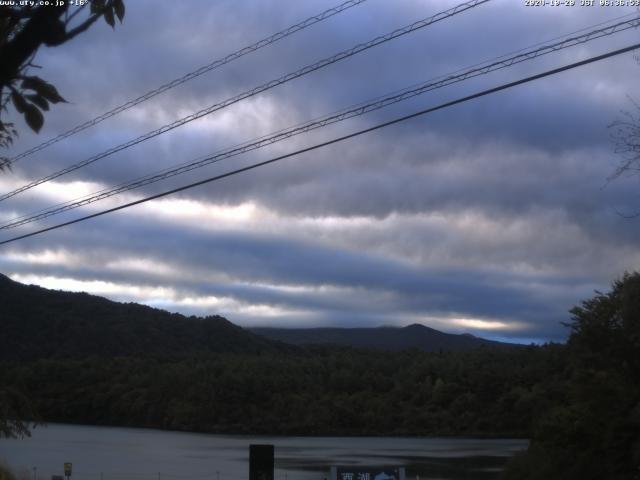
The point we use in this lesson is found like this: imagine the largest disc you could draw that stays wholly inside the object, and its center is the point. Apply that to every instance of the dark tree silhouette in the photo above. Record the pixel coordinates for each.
(16, 413)
(626, 137)
(23, 30)
(595, 431)
(625, 134)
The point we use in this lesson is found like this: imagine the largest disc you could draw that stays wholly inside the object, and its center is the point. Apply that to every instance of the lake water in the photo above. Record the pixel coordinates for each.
(105, 453)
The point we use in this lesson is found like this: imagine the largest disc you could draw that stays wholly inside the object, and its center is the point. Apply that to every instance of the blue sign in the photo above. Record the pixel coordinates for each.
(356, 472)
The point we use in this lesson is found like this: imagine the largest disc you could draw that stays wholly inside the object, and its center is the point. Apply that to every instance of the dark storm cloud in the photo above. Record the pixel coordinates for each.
(492, 210)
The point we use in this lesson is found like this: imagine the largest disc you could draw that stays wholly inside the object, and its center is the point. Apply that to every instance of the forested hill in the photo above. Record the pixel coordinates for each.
(384, 338)
(40, 323)
(578, 402)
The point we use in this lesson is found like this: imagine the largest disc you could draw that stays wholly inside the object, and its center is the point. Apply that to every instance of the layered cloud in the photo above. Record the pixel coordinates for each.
(493, 217)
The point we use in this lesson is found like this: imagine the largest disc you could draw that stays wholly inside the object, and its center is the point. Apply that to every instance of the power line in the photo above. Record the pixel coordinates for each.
(254, 91)
(191, 75)
(345, 114)
(340, 116)
(335, 140)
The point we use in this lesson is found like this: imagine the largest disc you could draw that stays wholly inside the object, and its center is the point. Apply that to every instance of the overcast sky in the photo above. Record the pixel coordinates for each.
(492, 217)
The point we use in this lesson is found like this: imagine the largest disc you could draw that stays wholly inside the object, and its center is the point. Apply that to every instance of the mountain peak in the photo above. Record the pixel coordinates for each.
(415, 336)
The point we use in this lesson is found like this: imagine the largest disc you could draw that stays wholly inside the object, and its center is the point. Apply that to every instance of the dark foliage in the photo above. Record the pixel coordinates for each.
(40, 323)
(24, 28)
(81, 358)
(579, 403)
(320, 391)
(17, 415)
(594, 432)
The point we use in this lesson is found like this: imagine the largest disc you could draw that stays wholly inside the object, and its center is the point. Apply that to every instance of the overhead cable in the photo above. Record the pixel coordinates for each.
(254, 91)
(333, 141)
(351, 112)
(191, 75)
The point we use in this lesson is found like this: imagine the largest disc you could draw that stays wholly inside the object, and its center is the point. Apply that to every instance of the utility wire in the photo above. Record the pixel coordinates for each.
(345, 114)
(484, 62)
(264, 87)
(191, 75)
(335, 140)
(350, 112)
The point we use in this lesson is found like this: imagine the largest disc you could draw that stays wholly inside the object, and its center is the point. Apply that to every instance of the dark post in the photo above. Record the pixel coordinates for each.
(67, 470)
(260, 462)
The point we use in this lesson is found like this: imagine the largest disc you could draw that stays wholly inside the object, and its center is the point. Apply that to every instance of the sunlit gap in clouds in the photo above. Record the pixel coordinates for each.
(478, 324)
(245, 312)
(485, 327)
(199, 211)
(97, 287)
(43, 257)
(168, 298)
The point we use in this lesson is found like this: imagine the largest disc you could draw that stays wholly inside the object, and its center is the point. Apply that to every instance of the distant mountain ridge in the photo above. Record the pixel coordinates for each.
(36, 322)
(382, 338)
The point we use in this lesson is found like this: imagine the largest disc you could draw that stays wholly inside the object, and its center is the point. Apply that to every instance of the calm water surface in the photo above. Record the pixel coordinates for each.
(105, 453)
